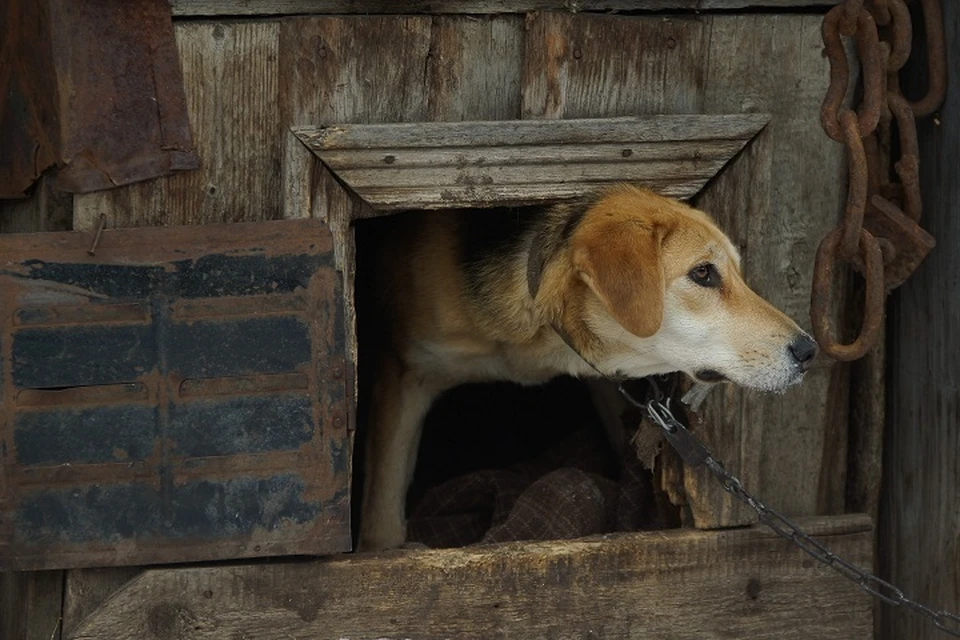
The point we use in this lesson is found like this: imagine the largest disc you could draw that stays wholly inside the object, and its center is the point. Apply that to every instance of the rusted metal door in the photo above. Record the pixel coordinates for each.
(180, 395)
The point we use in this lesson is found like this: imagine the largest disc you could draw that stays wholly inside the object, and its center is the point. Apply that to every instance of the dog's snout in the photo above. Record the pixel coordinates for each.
(804, 350)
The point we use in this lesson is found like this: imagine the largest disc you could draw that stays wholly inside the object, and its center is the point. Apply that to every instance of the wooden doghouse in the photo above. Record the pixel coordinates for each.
(316, 114)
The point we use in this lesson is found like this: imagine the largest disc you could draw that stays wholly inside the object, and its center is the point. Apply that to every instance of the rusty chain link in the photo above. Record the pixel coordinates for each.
(879, 235)
(695, 454)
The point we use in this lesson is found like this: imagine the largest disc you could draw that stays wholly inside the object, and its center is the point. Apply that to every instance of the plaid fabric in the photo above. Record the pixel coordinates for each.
(569, 492)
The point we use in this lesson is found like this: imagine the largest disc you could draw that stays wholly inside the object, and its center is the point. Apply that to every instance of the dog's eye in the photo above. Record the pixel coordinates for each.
(705, 275)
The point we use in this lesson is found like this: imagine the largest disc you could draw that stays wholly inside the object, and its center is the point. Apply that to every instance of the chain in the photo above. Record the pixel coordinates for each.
(879, 234)
(695, 454)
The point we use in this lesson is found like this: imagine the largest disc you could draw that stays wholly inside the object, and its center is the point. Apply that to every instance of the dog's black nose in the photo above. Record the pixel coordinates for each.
(803, 350)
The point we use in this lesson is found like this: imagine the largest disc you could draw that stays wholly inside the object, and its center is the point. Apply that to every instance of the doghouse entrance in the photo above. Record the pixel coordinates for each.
(369, 171)
(500, 461)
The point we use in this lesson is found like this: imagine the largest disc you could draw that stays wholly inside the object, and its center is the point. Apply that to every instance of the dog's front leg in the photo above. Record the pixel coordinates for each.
(401, 399)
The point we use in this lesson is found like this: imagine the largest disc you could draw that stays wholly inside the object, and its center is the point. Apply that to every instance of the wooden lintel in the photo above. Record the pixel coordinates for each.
(194, 8)
(438, 165)
(683, 584)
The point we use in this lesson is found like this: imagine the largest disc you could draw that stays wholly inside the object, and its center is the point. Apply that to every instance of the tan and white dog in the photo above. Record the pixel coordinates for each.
(635, 283)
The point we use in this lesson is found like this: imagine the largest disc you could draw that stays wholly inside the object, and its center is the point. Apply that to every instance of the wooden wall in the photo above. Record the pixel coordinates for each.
(920, 513)
(248, 81)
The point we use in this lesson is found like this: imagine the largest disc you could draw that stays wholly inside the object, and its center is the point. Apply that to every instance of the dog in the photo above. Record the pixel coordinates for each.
(625, 283)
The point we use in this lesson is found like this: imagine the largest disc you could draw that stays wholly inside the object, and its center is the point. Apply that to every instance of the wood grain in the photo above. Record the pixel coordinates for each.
(470, 164)
(230, 75)
(570, 70)
(602, 130)
(462, 88)
(920, 516)
(195, 8)
(45, 209)
(327, 77)
(679, 584)
(30, 605)
(86, 589)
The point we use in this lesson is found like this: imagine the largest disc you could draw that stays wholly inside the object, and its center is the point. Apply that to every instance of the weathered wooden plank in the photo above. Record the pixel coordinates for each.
(354, 69)
(440, 165)
(474, 68)
(583, 131)
(297, 167)
(546, 154)
(681, 584)
(30, 605)
(526, 173)
(86, 589)
(231, 80)
(391, 199)
(570, 70)
(425, 68)
(46, 209)
(868, 406)
(920, 516)
(195, 8)
(338, 208)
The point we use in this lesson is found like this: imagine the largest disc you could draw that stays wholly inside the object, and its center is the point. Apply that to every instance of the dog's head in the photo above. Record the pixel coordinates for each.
(660, 286)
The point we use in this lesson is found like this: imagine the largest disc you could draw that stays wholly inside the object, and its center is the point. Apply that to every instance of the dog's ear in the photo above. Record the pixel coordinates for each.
(622, 265)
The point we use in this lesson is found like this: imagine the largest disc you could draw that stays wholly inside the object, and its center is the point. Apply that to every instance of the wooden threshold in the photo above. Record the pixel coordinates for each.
(680, 584)
(195, 8)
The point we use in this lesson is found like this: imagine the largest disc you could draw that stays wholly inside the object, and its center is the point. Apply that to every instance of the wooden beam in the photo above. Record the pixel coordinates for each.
(682, 583)
(920, 516)
(195, 8)
(30, 605)
(86, 589)
(441, 165)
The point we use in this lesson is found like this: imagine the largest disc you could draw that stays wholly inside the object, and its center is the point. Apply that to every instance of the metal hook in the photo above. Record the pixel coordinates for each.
(661, 415)
(92, 251)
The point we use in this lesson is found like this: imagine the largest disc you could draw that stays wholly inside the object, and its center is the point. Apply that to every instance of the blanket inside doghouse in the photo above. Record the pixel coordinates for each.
(567, 492)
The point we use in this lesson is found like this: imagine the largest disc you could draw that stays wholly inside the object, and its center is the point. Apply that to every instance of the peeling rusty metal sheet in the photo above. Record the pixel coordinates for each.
(29, 125)
(94, 88)
(179, 396)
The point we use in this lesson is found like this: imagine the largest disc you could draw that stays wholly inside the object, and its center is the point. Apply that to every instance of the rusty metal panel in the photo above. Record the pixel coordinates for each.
(94, 88)
(29, 112)
(179, 396)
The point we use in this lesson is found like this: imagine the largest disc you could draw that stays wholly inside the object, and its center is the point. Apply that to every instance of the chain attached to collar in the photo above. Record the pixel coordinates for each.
(691, 450)
(695, 454)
